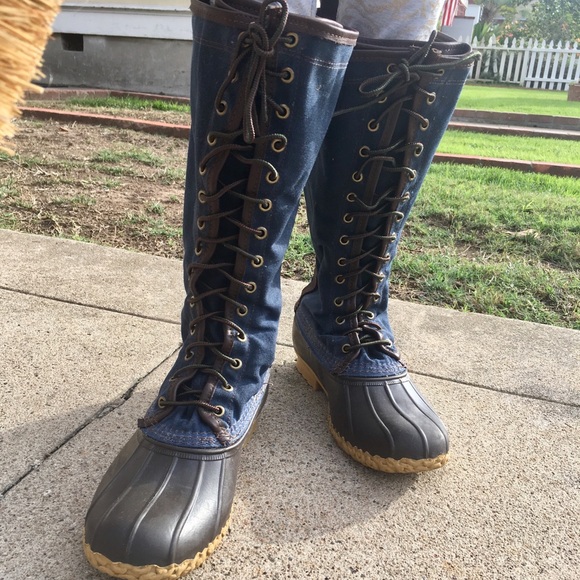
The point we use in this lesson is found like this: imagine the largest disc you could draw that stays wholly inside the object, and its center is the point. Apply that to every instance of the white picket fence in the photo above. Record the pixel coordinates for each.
(529, 63)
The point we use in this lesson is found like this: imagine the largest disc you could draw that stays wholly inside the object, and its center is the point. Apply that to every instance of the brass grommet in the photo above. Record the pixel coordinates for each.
(339, 320)
(228, 387)
(291, 40)
(272, 177)
(211, 140)
(242, 310)
(383, 100)
(202, 170)
(343, 240)
(351, 196)
(278, 145)
(257, 261)
(265, 205)
(251, 287)
(418, 149)
(288, 75)
(340, 279)
(412, 175)
(285, 112)
(261, 234)
(198, 249)
(357, 176)
(220, 411)
(188, 355)
(431, 97)
(236, 363)
(424, 125)
(345, 348)
(364, 151)
(222, 108)
(201, 196)
(341, 261)
(390, 68)
(373, 125)
(161, 402)
(440, 72)
(347, 218)
(200, 223)
(338, 302)
(242, 337)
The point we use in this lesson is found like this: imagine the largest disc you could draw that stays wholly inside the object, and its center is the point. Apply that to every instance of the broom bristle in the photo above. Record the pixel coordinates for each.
(25, 26)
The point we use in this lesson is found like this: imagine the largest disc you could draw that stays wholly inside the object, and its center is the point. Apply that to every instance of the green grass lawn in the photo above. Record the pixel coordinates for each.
(511, 147)
(494, 241)
(129, 103)
(518, 100)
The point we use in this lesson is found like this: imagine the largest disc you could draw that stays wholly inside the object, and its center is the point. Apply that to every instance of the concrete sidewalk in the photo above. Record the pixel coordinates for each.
(87, 334)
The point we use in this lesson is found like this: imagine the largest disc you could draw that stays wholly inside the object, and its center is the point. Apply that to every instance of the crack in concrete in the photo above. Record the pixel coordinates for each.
(102, 412)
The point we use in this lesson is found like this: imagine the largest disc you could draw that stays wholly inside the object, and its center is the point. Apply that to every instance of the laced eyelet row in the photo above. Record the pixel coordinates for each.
(291, 40)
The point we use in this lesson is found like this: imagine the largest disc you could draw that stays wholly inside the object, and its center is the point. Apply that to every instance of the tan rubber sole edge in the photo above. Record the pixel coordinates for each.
(384, 464)
(152, 572)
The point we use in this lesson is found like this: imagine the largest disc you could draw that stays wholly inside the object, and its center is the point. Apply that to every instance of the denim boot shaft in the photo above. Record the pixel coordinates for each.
(395, 104)
(264, 87)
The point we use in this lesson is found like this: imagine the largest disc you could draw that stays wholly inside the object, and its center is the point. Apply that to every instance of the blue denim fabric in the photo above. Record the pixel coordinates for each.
(376, 68)
(318, 62)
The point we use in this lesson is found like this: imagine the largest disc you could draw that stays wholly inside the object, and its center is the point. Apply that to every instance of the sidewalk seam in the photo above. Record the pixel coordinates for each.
(100, 414)
(93, 306)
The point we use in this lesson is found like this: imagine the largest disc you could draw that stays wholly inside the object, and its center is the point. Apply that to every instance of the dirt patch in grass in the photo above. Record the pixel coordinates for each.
(111, 186)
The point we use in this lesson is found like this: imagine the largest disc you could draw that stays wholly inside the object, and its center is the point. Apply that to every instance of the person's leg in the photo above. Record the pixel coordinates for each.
(395, 103)
(258, 120)
(392, 19)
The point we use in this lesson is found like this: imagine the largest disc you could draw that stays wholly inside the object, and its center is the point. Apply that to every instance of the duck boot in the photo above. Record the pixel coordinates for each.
(259, 117)
(395, 103)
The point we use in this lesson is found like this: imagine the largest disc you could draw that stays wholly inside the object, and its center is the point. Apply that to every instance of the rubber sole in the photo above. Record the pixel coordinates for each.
(384, 464)
(152, 572)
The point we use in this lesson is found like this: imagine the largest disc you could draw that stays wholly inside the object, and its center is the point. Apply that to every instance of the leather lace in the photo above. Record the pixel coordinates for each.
(401, 78)
(209, 298)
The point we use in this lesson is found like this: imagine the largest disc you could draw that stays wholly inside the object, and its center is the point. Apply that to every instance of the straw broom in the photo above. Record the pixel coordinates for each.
(25, 26)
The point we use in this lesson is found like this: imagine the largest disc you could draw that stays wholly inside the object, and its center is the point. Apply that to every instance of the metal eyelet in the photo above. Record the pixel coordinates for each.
(418, 149)
(347, 218)
(399, 216)
(236, 76)
(265, 205)
(201, 196)
(357, 176)
(351, 196)
(222, 108)
(211, 140)
(242, 310)
(202, 170)
(188, 355)
(338, 302)
(373, 126)
(261, 234)
(161, 402)
(272, 177)
(412, 175)
(424, 125)
(288, 75)
(198, 249)
(242, 337)
(220, 411)
(291, 40)
(236, 363)
(383, 100)
(339, 320)
(278, 145)
(364, 151)
(440, 72)
(257, 261)
(251, 287)
(341, 261)
(431, 97)
(340, 279)
(345, 348)
(200, 223)
(390, 67)
(343, 240)
(228, 387)
(285, 112)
